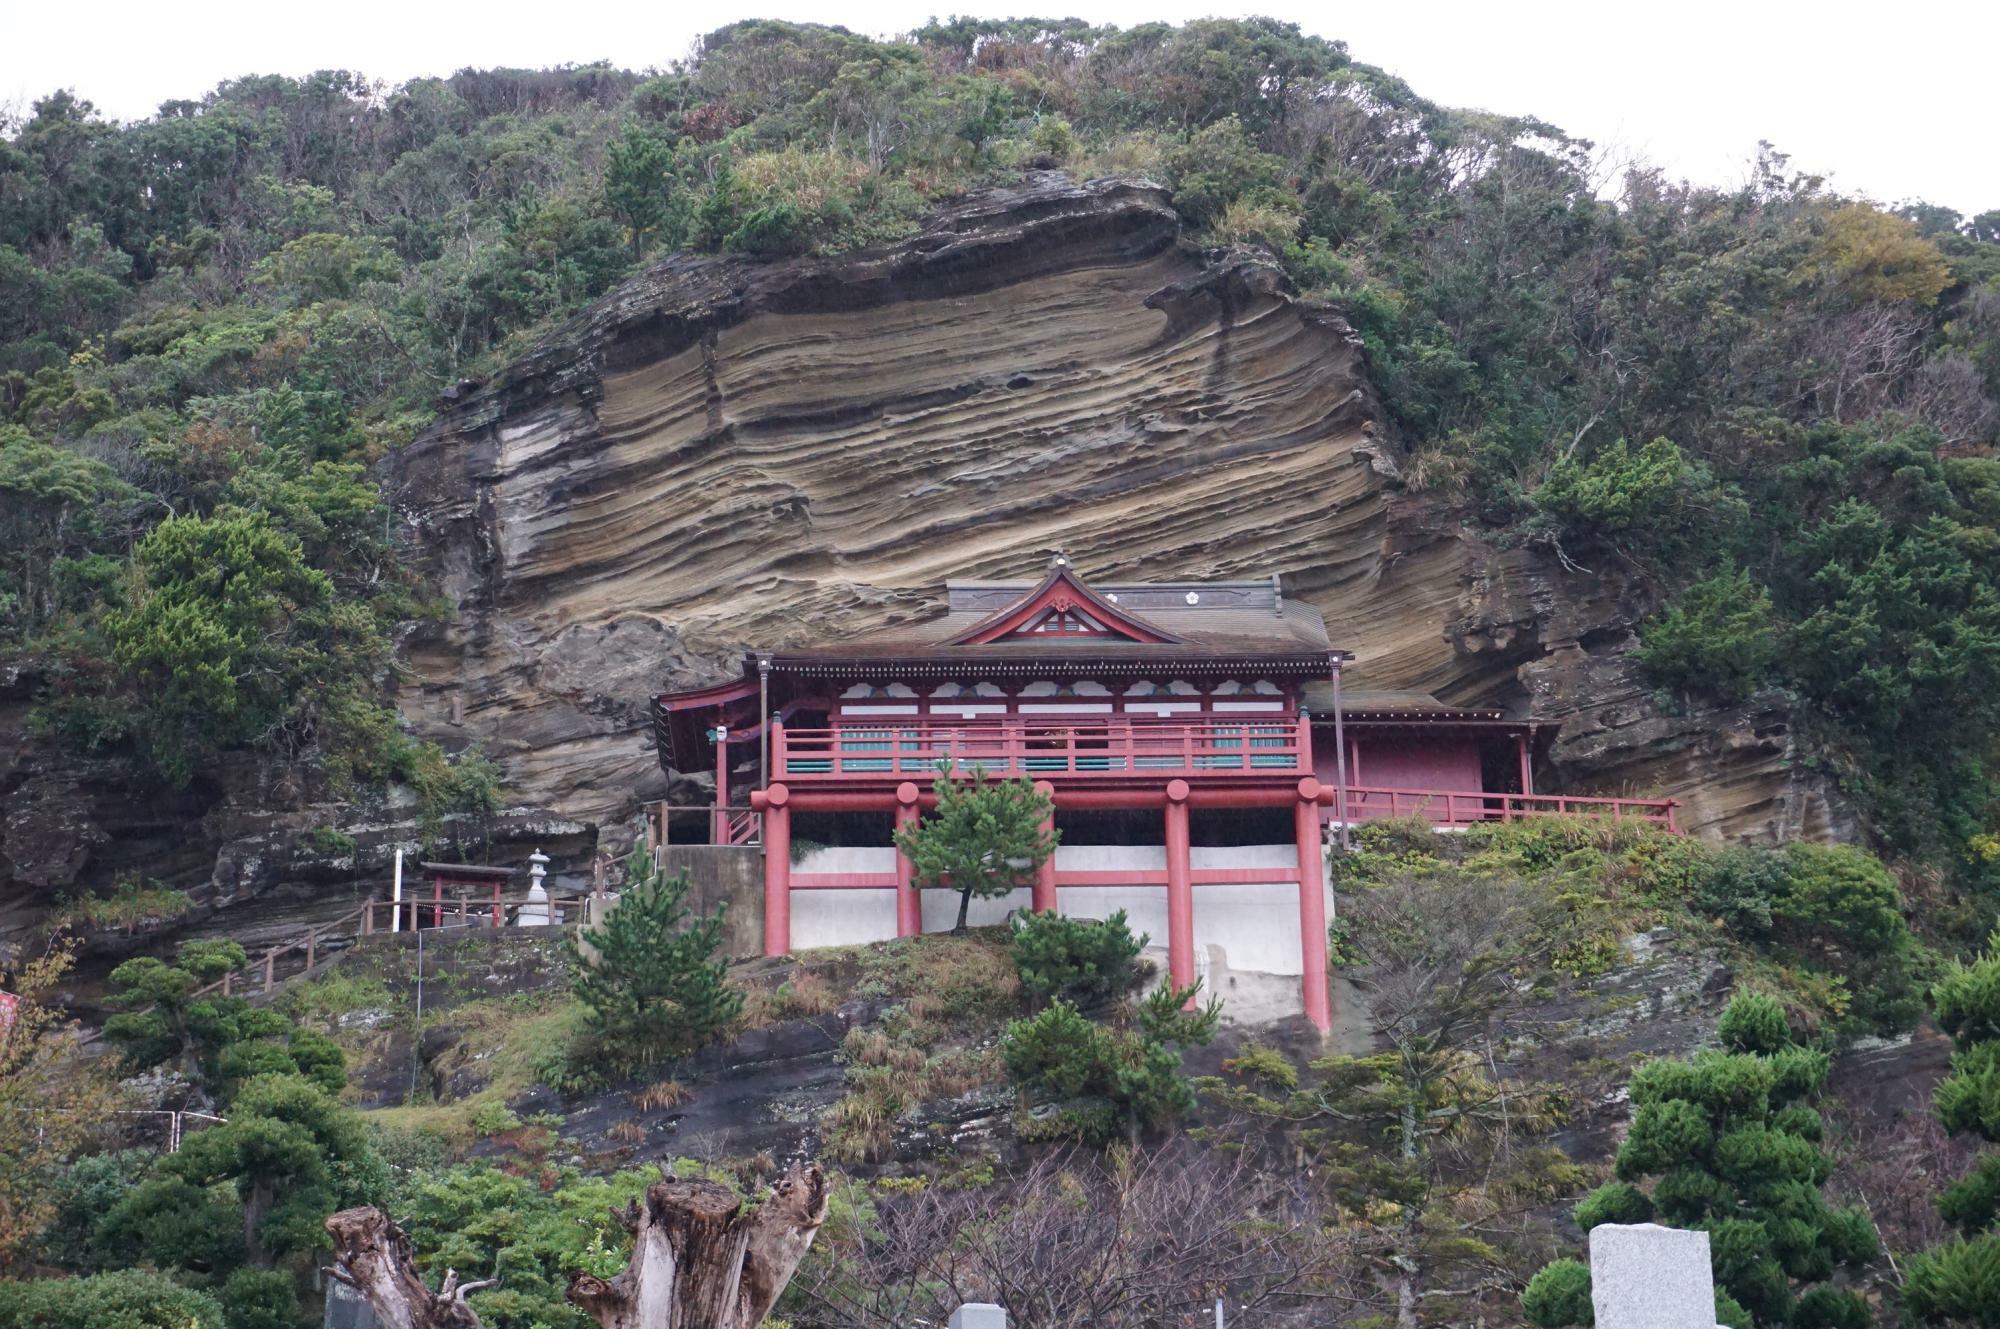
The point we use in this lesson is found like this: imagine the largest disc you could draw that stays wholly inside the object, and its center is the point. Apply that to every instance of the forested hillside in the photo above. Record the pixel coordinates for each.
(1764, 414)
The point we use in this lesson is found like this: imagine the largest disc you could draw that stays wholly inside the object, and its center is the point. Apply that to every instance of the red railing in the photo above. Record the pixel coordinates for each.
(1070, 749)
(1456, 809)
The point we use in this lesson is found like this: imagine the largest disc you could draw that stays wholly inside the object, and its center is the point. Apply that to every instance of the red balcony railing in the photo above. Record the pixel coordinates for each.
(1456, 809)
(1034, 748)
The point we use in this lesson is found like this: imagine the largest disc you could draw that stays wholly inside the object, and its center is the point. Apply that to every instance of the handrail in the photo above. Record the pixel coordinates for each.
(723, 826)
(1113, 746)
(374, 916)
(1452, 808)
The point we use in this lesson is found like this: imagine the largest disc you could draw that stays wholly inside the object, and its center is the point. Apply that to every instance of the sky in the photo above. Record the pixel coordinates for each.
(1890, 102)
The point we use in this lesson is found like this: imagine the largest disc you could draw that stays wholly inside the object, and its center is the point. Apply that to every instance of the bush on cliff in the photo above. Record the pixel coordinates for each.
(649, 978)
(1731, 1144)
(1081, 959)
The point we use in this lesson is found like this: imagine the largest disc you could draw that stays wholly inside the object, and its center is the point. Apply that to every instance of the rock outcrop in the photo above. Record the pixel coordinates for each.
(726, 452)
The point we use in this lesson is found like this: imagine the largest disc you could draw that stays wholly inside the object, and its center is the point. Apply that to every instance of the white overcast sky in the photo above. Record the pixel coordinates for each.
(1890, 101)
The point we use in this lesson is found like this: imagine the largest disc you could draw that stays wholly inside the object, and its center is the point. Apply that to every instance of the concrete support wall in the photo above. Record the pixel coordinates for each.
(1250, 928)
(731, 875)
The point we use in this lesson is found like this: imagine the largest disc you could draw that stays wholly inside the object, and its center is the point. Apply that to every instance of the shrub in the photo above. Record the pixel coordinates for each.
(1110, 1081)
(261, 1299)
(1719, 637)
(1957, 1284)
(1753, 1023)
(1732, 1143)
(1559, 1296)
(1614, 1202)
(653, 985)
(1078, 958)
(128, 1299)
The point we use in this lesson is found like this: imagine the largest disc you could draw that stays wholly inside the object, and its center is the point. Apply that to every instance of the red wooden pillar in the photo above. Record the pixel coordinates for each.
(1045, 875)
(437, 902)
(1312, 907)
(496, 904)
(1180, 888)
(909, 902)
(721, 832)
(777, 871)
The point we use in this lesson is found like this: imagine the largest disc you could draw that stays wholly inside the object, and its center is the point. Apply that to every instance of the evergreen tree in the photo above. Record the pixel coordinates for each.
(1106, 1081)
(1731, 1145)
(293, 1155)
(650, 979)
(640, 187)
(985, 837)
(1959, 1283)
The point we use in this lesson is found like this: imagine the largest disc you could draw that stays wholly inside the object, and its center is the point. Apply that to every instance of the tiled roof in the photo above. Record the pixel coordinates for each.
(1209, 618)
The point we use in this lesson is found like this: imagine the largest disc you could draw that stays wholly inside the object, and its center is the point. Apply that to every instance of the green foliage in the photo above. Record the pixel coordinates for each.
(1614, 1202)
(654, 985)
(1719, 638)
(1753, 1023)
(1655, 502)
(222, 1040)
(261, 1299)
(1732, 1142)
(234, 638)
(487, 1223)
(1104, 1081)
(1956, 1286)
(291, 1154)
(985, 838)
(129, 1299)
(641, 188)
(86, 1190)
(1559, 1296)
(1082, 959)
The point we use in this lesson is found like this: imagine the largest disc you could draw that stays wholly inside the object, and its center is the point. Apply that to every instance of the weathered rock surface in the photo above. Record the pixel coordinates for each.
(725, 452)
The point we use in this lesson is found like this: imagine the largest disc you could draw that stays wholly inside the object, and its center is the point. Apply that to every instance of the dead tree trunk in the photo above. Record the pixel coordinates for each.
(373, 1256)
(700, 1260)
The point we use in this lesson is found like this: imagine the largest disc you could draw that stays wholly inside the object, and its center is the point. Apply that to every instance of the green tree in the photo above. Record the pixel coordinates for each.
(1967, 1101)
(160, 1018)
(1720, 637)
(641, 187)
(1083, 959)
(291, 1153)
(1732, 1144)
(235, 639)
(55, 506)
(1106, 1082)
(985, 838)
(650, 977)
(129, 1299)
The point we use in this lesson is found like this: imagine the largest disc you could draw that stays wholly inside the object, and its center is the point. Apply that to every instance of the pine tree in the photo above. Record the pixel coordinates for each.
(651, 980)
(1959, 1283)
(985, 837)
(1732, 1147)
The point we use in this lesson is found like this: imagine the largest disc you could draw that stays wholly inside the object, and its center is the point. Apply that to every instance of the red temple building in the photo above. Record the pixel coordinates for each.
(1194, 738)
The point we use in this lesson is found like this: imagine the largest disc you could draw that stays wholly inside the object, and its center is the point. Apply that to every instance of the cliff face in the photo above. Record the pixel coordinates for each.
(725, 452)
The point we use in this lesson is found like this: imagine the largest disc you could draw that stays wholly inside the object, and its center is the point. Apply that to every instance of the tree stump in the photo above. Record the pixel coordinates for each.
(373, 1256)
(699, 1260)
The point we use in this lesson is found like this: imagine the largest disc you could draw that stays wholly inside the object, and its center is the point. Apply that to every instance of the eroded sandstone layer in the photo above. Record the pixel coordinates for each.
(726, 452)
